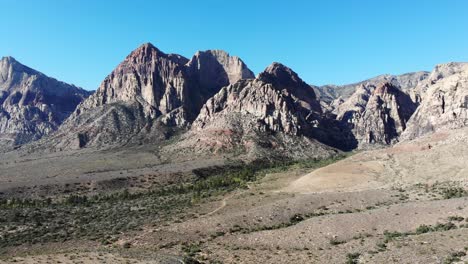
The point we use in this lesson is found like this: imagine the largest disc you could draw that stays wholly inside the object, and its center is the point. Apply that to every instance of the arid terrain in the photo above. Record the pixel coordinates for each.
(178, 160)
(405, 204)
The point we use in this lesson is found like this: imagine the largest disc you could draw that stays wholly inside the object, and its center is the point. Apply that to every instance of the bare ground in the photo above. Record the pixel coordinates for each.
(379, 206)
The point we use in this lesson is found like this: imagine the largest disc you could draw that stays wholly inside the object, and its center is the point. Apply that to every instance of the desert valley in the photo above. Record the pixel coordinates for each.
(198, 160)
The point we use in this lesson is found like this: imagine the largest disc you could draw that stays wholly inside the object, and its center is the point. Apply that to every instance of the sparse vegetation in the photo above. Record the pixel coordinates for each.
(438, 227)
(454, 192)
(30, 221)
(352, 258)
(334, 241)
(454, 257)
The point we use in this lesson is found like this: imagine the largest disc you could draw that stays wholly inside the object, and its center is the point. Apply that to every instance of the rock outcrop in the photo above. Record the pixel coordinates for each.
(274, 113)
(32, 104)
(443, 101)
(147, 93)
(331, 94)
(377, 115)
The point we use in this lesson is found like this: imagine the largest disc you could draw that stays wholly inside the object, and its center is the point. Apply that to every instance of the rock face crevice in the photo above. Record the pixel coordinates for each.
(32, 105)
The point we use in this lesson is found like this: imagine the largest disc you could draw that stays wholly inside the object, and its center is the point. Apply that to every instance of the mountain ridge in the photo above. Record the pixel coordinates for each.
(32, 104)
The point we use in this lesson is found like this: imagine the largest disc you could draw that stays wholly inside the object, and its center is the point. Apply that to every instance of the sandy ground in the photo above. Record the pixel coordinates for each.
(436, 158)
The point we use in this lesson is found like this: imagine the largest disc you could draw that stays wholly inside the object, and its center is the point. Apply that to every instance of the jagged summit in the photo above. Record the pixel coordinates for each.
(284, 78)
(405, 82)
(8, 59)
(274, 114)
(443, 101)
(277, 72)
(32, 104)
(386, 88)
(377, 114)
(147, 51)
(150, 89)
(9, 65)
(226, 69)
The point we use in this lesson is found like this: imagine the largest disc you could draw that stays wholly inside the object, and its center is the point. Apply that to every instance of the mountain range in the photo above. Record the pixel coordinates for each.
(213, 104)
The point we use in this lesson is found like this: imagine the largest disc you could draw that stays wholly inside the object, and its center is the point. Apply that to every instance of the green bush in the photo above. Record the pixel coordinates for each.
(352, 258)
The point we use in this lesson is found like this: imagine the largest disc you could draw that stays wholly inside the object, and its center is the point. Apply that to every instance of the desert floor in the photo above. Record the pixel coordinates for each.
(405, 204)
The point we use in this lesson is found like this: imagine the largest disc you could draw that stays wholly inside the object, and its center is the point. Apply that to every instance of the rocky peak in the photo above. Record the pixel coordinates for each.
(151, 87)
(281, 76)
(213, 69)
(405, 82)
(384, 117)
(286, 80)
(444, 101)
(9, 61)
(145, 53)
(233, 65)
(31, 104)
(275, 111)
(385, 89)
(11, 71)
(351, 109)
(147, 75)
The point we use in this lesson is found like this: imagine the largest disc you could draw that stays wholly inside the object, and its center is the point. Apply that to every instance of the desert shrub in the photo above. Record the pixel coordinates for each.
(454, 257)
(456, 218)
(352, 258)
(423, 229)
(454, 192)
(389, 236)
(296, 218)
(191, 250)
(335, 241)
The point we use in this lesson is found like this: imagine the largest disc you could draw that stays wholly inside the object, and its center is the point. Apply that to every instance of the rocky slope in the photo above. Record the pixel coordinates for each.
(146, 94)
(405, 82)
(275, 113)
(443, 101)
(32, 104)
(376, 114)
(379, 118)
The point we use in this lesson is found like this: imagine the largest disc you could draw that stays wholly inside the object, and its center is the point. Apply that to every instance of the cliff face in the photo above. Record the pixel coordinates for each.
(443, 101)
(156, 80)
(149, 90)
(405, 82)
(276, 111)
(385, 117)
(377, 115)
(31, 104)
(278, 100)
(218, 102)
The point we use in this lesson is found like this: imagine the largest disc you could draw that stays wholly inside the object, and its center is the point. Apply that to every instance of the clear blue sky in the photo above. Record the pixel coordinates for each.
(332, 41)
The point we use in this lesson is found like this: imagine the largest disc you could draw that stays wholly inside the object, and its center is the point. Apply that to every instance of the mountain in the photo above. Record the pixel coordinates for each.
(405, 82)
(276, 113)
(32, 104)
(148, 95)
(376, 114)
(443, 101)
